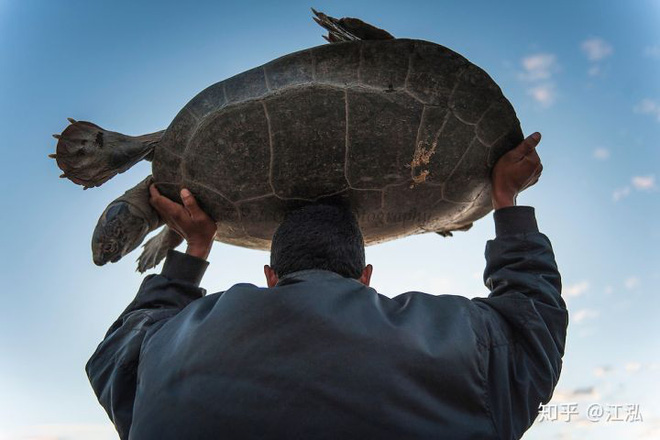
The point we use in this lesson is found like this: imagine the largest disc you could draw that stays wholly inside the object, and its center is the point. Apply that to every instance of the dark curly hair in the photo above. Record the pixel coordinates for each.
(318, 236)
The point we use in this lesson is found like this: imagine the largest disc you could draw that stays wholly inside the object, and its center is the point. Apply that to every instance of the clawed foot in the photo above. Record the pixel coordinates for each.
(155, 249)
(89, 155)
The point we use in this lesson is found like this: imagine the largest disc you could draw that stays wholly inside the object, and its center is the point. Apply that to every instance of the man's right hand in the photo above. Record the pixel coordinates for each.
(187, 220)
(517, 170)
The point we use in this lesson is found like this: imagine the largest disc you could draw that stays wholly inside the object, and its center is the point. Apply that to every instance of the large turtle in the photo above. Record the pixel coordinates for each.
(403, 131)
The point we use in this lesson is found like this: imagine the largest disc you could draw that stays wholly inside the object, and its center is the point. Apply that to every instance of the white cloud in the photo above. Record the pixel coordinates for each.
(596, 49)
(576, 394)
(584, 314)
(63, 431)
(620, 193)
(652, 51)
(644, 182)
(601, 153)
(648, 106)
(602, 371)
(539, 66)
(576, 289)
(633, 367)
(640, 183)
(538, 70)
(594, 71)
(631, 283)
(544, 94)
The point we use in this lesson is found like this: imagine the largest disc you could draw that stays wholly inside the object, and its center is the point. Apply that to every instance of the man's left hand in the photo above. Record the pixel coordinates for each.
(188, 220)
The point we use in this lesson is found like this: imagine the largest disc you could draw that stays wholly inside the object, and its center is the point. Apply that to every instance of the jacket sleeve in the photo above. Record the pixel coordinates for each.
(112, 369)
(523, 321)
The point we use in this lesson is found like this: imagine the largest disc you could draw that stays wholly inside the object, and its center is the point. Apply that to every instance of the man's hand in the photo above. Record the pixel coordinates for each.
(188, 220)
(517, 170)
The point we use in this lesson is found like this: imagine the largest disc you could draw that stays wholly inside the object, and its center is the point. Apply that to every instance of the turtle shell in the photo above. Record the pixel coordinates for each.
(404, 131)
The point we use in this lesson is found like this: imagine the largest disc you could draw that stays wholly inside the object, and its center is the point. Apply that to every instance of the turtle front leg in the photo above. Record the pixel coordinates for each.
(156, 248)
(89, 155)
(124, 224)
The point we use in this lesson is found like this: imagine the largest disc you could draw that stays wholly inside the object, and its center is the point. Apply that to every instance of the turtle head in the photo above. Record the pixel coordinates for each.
(120, 229)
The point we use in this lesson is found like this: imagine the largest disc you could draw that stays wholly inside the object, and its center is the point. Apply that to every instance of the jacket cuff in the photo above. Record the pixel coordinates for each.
(515, 220)
(184, 267)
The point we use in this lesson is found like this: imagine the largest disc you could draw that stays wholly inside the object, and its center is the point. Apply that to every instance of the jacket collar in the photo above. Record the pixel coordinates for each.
(309, 274)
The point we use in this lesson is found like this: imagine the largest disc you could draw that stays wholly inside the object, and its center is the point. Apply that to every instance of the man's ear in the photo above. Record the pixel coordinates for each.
(271, 276)
(365, 278)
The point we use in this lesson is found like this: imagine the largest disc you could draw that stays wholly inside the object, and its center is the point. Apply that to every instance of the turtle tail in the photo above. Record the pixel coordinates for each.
(349, 29)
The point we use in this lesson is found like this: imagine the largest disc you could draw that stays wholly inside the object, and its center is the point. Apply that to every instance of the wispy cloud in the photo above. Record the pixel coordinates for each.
(620, 193)
(594, 71)
(633, 367)
(544, 94)
(576, 289)
(63, 431)
(538, 71)
(538, 66)
(601, 153)
(596, 49)
(575, 394)
(640, 183)
(631, 283)
(603, 371)
(584, 314)
(648, 106)
(644, 183)
(652, 51)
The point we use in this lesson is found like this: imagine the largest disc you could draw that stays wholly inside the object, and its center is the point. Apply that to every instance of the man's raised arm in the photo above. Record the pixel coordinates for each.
(112, 369)
(524, 319)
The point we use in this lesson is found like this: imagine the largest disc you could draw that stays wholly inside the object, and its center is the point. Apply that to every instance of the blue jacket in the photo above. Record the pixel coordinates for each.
(320, 356)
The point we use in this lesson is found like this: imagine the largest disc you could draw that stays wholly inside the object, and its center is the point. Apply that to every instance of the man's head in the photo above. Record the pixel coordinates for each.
(318, 236)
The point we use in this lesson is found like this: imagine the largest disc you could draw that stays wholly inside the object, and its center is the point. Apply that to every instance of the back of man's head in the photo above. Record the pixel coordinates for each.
(318, 236)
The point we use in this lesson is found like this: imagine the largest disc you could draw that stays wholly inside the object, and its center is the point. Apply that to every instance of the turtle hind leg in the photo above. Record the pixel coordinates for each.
(156, 248)
(89, 155)
(349, 29)
(124, 224)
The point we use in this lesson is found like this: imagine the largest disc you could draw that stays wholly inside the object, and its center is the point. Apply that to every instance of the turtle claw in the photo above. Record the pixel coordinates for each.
(57, 136)
(71, 120)
(53, 156)
(156, 248)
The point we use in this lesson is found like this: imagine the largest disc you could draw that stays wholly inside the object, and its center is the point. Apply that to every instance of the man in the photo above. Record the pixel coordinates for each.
(319, 354)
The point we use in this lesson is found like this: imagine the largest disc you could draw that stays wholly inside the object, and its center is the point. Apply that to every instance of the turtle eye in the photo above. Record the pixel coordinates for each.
(109, 247)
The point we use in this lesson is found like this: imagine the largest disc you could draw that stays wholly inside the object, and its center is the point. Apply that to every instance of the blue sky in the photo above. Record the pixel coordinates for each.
(584, 73)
